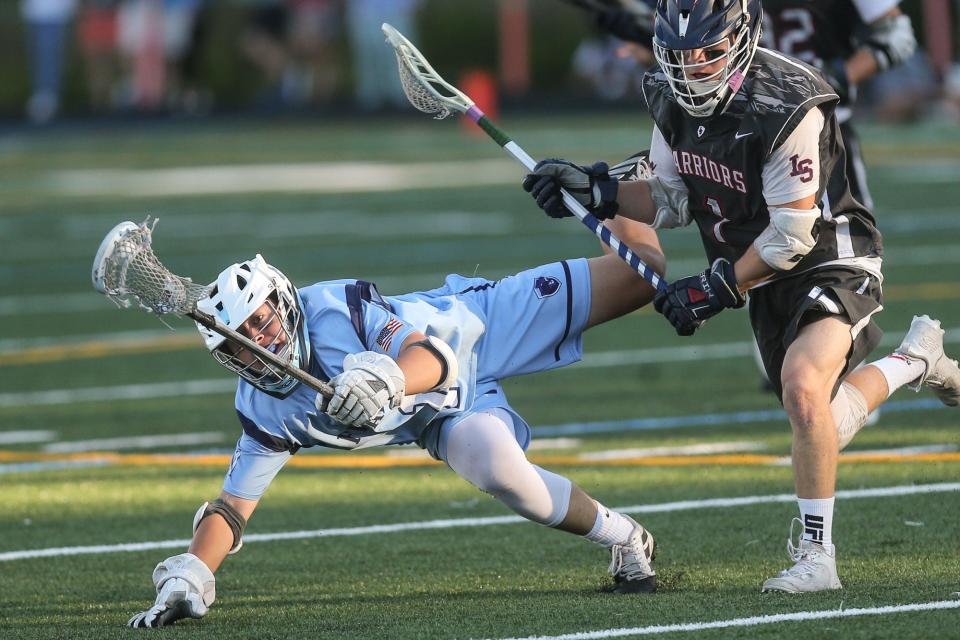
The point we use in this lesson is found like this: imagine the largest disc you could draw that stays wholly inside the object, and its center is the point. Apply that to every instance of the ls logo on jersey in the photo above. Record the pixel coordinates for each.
(546, 286)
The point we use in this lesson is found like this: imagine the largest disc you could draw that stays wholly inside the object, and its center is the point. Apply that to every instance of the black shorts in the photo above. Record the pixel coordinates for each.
(780, 309)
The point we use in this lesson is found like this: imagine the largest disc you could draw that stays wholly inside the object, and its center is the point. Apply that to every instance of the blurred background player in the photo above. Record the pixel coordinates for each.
(850, 41)
(787, 230)
(384, 369)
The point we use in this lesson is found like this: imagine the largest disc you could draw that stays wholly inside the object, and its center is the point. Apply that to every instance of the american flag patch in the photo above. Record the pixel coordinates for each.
(387, 333)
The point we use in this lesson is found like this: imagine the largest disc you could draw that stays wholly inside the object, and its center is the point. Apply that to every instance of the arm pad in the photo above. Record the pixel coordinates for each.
(234, 520)
(673, 205)
(788, 237)
(449, 368)
(891, 40)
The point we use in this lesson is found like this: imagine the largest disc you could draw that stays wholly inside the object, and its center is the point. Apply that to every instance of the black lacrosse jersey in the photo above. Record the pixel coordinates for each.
(816, 31)
(721, 158)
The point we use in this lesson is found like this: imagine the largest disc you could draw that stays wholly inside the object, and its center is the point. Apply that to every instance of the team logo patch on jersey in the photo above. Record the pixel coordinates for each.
(546, 286)
(701, 130)
(386, 334)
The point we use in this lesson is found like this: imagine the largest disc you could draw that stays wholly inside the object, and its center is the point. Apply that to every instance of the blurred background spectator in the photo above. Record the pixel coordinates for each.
(376, 84)
(274, 56)
(293, 44)
(47, 23)
(97, 37)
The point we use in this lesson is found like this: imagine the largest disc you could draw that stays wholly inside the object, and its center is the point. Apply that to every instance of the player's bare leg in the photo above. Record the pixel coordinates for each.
(617, 289)
(811, 367)
(918, 362)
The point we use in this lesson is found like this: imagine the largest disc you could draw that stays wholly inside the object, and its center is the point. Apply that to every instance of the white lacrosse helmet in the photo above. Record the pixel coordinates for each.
(238, 292)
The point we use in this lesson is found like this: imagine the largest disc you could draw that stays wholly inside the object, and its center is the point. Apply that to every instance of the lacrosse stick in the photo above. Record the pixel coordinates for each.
(430, 93)
(127, 271)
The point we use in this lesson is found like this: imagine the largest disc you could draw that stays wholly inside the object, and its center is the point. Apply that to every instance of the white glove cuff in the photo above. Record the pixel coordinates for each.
(192, 570)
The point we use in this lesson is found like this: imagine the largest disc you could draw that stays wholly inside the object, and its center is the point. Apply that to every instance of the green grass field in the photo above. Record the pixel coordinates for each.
(81, 381)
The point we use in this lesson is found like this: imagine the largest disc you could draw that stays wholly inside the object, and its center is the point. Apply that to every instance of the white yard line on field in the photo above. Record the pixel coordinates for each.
(25, 437)
(683, 450)
(666, 507)
(320, 177)
(135, 442)
(799, 616)
(719, 351)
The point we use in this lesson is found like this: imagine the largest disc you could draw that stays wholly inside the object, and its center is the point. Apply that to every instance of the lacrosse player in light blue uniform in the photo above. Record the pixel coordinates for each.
(421, 368)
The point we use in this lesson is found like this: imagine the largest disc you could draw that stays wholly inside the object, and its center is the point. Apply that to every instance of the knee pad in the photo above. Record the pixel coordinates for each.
(849, 409)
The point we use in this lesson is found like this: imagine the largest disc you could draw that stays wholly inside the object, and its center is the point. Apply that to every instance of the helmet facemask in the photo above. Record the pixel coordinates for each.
(258, 301)
(725, 69)
(279, 327)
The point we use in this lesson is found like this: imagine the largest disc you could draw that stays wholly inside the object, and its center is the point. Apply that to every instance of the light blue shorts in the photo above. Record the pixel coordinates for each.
(534, 322)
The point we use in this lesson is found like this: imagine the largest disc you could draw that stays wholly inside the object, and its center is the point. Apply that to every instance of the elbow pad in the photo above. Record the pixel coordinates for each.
(449, 368)
(891, 41)
(788, 237)
(673, 206)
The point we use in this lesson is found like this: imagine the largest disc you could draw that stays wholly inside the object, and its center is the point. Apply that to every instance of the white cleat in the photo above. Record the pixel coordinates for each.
(632, 562)
(924, 341)
(814, 569)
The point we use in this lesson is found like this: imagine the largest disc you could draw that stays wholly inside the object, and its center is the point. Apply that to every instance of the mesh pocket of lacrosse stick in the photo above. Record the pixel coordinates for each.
(127, 271)
(426, 90)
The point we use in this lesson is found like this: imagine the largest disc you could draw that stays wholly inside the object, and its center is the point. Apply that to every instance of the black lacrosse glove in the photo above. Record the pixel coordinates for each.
(625, 25)
(689, 302)
(592, 187)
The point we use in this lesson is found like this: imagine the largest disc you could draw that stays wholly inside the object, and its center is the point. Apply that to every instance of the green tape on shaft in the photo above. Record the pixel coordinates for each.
(487, 125)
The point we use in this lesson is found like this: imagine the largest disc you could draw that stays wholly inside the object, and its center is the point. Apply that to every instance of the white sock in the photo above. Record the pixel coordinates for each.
(817, 517)
(610, 527)
(899, 370)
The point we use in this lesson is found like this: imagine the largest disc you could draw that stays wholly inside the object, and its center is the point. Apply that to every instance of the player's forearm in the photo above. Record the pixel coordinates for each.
(751, 269)
(212, 541)
(861, 66)
(636, 202)
(421, 368)
(213, 538)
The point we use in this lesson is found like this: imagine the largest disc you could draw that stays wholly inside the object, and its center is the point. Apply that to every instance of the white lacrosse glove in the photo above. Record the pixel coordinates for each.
(185, 589)
(371, 384)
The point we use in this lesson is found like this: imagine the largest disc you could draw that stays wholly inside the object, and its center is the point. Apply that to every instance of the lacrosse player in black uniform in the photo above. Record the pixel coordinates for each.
(747, 146)
(848, 40)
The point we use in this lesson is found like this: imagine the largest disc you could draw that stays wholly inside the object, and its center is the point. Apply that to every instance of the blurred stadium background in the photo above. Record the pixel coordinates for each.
(113, 429)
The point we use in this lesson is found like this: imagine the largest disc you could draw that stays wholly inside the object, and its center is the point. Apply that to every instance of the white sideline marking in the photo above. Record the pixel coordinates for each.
(719, 351)
(124, 392)
(25, 467)
(74, 302)
(134, 442)
(22, 437)
(319, 177)
(799, 616)
(883, 453)
(665, 507)
(684, 450)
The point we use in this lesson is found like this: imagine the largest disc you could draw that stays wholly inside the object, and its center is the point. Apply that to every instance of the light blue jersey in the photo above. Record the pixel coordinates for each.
(529, 322)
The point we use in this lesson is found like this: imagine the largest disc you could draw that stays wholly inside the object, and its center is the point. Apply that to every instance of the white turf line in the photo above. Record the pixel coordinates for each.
(799, 616)
(135, 442)
(694, 353)
(665, 507)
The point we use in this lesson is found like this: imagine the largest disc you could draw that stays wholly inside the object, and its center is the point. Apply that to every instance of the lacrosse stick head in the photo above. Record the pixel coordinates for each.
(127, 271)
(423, 86)
(255, 299)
